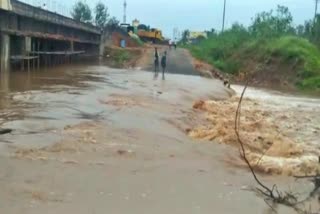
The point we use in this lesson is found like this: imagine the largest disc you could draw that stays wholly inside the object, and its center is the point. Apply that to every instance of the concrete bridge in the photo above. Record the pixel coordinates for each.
(31, 33)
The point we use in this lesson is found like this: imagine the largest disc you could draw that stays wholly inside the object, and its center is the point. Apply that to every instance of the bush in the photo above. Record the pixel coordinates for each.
(121, 56)
(310, 83)
(217, 49)
(300, 49)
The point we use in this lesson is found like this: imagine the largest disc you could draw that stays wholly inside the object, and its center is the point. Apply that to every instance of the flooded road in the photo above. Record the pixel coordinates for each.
(297, 115)
(91, 139)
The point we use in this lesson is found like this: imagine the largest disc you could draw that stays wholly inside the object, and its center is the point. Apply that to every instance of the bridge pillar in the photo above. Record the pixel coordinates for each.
(27, 42)
(102, 45)
(26, 45)
(4, 52)
(72, 46)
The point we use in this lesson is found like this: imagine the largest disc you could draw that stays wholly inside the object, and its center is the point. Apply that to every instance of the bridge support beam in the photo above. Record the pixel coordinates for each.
(27, 45)
(26, 48)
(4, 52)
(72, 46)
(101, 45)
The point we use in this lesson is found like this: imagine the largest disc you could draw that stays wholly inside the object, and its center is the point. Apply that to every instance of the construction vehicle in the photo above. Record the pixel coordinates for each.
(154, 35)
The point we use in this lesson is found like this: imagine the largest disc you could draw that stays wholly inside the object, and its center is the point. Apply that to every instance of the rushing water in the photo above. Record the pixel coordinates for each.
(37, 105)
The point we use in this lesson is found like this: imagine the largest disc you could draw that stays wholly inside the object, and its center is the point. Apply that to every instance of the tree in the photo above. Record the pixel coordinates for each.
(200, 38)
(312, 30)
(300, 30)
(101, 15)
(211, 33)
(283, 20)
(113, 22)
(81, 12)
(185, 36)
(272, 23)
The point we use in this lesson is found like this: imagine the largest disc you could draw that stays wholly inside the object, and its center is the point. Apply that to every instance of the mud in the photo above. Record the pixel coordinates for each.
(121, 101)
(79, 138)
(278, 141)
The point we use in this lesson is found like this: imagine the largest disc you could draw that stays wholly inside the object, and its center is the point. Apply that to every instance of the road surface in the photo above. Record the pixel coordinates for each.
(178, 61)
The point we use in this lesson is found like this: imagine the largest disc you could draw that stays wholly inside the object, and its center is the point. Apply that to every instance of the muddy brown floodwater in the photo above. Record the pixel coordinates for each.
(91, 139)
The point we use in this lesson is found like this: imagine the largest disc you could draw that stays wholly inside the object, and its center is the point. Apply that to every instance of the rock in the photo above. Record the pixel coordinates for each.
(199, 104)
(188, 130)
(70, 162)
(122, 152)
(5, 131)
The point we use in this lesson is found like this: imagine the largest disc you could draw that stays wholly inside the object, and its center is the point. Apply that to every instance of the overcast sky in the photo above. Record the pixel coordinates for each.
(196, 15)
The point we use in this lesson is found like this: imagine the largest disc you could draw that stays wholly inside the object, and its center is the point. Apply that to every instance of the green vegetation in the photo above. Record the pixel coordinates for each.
(82, 12)
(102, 15)
(121, 56)
(138, 40)
(220, 48)
(294, 52)
(113, 21)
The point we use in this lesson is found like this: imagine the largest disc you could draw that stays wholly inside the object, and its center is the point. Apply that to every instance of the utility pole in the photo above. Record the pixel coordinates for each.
(316, 10)
(125, 12)
(175, 34)
(224, 14)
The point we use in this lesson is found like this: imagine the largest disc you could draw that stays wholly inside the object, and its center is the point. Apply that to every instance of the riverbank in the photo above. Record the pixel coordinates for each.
(282, 60)
(209, 71)
(122, 57)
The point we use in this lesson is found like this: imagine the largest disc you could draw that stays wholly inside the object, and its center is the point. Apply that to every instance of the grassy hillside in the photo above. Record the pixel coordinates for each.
(301, 50)
(235, 54)
(274, 54)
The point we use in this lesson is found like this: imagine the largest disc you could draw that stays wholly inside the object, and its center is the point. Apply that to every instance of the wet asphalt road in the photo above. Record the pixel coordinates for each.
(179, 61)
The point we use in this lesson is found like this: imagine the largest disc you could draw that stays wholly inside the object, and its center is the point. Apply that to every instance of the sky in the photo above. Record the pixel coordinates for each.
(195, 15)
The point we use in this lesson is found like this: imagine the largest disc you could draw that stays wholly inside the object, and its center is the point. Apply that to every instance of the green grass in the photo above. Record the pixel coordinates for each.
(121, 56)
(231, 51)
(218, 50)
(292, 48)
(310, 83)
(298, 48)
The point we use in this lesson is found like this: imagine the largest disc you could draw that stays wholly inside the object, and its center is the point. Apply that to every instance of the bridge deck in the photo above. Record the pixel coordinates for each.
(27, 10)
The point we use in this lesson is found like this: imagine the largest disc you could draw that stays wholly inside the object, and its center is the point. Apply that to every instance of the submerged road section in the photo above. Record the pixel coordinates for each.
(91, 139)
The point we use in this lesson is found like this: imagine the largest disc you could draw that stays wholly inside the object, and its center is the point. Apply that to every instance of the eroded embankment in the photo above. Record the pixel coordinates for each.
(277, 140)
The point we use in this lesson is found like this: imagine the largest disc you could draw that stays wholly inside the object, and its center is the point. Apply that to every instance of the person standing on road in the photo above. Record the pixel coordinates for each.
(164, 63)
(174, 45)
(156, 61)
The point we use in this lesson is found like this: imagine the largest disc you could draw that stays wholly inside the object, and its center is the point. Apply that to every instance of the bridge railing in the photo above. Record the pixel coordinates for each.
(50, 5)
(24, 9)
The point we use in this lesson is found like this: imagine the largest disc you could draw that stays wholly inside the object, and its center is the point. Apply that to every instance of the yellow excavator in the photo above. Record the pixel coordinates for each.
(154, 35)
